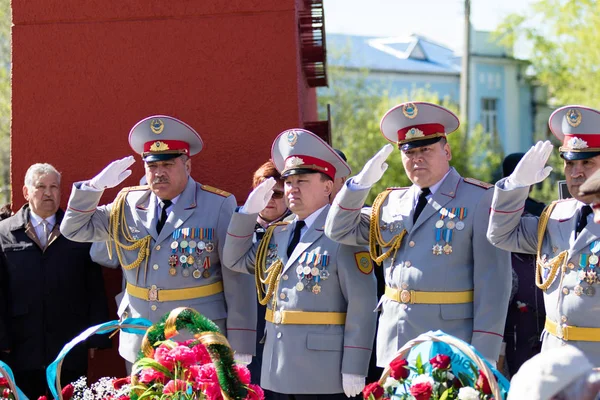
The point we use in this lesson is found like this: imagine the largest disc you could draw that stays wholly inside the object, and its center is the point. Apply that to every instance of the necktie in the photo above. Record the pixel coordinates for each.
(295, 237)
(163, 215)
(582, 222)
(45, 234)
(421, 203)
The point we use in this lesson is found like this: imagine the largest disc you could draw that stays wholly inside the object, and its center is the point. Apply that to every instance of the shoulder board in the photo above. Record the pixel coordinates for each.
(479, 183)
(398, 188)
(135, 188)
(563, 200)
(215, 191)
(276, 224)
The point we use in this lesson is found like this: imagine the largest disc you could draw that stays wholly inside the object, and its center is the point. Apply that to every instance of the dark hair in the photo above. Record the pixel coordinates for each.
(5, 211)
(264, 172)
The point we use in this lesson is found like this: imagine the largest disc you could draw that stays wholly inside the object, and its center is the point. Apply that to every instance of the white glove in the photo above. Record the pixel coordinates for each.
(259, 197)
(353, 384)
(374, 168)
(242, 358)
(115, 173)
(530, 170)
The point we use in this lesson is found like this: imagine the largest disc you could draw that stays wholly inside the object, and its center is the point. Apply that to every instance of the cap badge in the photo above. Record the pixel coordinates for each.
(410, 110)
(159, 146)
(577, 143)
(574, 117)
(157, 126)
(414, 133)
(293, 162)
(292, 138)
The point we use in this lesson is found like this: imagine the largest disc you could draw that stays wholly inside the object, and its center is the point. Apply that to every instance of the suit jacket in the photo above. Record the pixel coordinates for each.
(474, 264)
(198, 207)
(309, 359)
(509, 230)
(49, 295)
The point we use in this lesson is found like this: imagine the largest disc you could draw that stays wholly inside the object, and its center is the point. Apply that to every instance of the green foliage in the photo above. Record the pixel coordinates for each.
(563, 36)
(357, 107)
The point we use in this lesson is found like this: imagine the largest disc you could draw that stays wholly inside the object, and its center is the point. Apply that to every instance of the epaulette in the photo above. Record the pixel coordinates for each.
(134, 188)
(215, 191)
(398, 188)
(479, 183)
(563, 200)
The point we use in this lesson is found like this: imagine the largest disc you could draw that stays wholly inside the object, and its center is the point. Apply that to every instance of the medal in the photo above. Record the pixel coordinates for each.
(201, 245)
(206, 273)
(450, 224)
(172, 260)
(578, 290)
(447, 248)
(306, 270)
(439, 224)
(299, 270)
(185, 272)
(593, 259)
(210, 247)
(316, 289)
(197, 274)
(462, 213)
(437, 250)
(589, 291)
(460, 226)
(383, 226)
(299, 286)
(183, 244)
(192, 244)
(172, 271)
(190, 260)
(174, 245)
(183, 258)
(324, 274)
(314, 271)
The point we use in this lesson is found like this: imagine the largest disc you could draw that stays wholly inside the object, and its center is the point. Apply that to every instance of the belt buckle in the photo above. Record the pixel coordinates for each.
(405, 296)
(277, 317)
(560, 332)
(153, 293)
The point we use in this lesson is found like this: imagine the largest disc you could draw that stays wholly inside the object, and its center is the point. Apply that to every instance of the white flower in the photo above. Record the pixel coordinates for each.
(468, 393)
(390, 383)
(423, 379)
(577, 143)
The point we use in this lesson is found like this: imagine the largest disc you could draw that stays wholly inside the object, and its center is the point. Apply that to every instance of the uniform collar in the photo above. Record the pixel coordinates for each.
(312, 217)
(37, 220)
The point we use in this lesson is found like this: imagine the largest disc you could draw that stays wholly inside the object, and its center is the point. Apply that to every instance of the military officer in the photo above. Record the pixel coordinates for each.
(168, 236)
(440, 272)
(320, 294)
(566, 245)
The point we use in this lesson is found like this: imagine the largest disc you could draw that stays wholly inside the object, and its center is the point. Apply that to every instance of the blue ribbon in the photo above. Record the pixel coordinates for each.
(100, 329)
(11, 377)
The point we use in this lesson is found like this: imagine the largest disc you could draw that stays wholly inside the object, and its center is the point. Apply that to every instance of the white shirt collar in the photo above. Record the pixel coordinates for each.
(310, 220)
(173, 201)
(433, 188)
(37, 220)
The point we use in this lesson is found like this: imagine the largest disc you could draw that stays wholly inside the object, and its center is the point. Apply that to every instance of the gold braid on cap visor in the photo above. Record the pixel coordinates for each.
(584, 150)
(414, 139)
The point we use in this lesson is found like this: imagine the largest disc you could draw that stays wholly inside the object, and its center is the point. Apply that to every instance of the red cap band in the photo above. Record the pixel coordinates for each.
(420, 131)
(166, 145)
(298, 161)
(581, 142)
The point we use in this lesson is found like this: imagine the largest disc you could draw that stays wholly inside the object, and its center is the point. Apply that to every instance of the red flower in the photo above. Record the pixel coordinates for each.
(42, 398)
(124, 397)
(150, 375)
(255, 392)
(163, 356)
(175, 386)
(183, 355)
(67, 392)
(243, 373)
(483, 384)
(456, 383)
(441, 361)
(373, 389)
(120, 382)
(421, 391)
(213, 391)
(6, 393)
(399, 369)
(3, 381)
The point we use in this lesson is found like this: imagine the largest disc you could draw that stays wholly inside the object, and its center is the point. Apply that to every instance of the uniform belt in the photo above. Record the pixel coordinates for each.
(155, 294)
(414, 297)
(305, 317)
(566, 332)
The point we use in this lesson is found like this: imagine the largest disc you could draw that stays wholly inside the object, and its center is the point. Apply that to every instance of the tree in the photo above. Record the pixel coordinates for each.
(357, 106)
(563, 37)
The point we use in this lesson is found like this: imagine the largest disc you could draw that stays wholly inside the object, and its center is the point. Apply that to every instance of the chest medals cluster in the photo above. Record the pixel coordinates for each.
(449, 221)
(312, 268)
(190, 252)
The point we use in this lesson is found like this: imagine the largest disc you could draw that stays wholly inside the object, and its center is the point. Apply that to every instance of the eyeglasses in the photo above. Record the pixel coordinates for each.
(277, 195)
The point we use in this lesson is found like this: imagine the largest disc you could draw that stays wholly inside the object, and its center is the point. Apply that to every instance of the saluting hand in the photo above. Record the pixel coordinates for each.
(259, 197)
(531, 169)
(374, 168)
(115, 173)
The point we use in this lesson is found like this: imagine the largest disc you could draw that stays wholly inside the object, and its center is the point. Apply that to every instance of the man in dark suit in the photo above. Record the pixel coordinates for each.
(50, 290)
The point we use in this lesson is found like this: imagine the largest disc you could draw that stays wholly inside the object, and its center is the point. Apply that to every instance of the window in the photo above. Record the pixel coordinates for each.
(489, 115)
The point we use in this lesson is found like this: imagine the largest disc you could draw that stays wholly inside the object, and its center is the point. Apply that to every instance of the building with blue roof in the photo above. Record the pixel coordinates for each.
(503, 99)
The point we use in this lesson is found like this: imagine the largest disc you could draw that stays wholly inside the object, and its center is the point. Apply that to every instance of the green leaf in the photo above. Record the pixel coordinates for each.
(151, 363)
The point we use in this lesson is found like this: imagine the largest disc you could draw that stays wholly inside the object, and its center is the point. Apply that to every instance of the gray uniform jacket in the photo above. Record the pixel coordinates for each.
(511, 231)
(309, 359)
(198, 208)
(474, 264)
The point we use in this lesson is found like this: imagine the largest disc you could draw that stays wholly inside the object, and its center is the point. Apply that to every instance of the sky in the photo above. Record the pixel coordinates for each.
(439, 20)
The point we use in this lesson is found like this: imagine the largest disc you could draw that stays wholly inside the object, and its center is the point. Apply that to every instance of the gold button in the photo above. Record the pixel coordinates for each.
(407, 264)
(565, 290)
(563, 318)
(153, 287)
(155, 267)
(153, 308)
(571, 265)
(157, 247)
(282, 296)
(411, 243)
(405, 285)
(284, 277)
